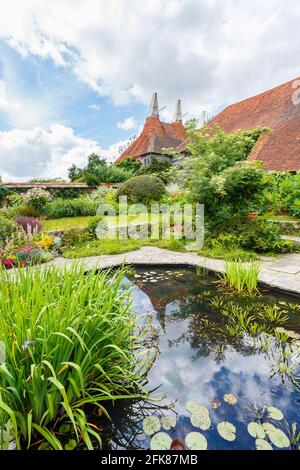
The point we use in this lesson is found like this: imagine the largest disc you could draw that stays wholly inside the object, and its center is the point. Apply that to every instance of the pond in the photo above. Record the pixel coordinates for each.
(208, 353)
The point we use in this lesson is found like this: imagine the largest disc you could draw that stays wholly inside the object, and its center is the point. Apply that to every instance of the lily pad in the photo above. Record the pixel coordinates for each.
(227, 431)
(230, 399)
(151, 425)
(160, 441)
(256, 430)
(279, 439)
(268, 427)
(196, 441)
(168, 422)
(201, 421)
(194, 407)
(275, 413)
(261, 444)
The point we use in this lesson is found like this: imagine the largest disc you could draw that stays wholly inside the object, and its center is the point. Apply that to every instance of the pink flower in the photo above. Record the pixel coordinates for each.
(7, 263)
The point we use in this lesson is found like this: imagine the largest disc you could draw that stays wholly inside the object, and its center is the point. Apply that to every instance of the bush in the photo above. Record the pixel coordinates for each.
(70, 208)
(263, 237)
(28, 223)
(75, 237)
(67, 348)
(142, 189)
(37, 198)
(7, 227)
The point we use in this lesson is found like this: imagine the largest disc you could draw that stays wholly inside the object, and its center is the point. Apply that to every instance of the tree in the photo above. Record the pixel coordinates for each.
(130, 164)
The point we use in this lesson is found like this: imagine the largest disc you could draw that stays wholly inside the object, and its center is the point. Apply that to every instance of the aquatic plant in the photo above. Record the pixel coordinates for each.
(241, 277)
(70, 341)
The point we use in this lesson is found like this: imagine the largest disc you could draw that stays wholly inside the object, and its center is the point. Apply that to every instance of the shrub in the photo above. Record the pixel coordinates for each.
(263, 237)
(28, 223)
(67, 347)
(142, 189)
(70, 208)
(7, 227)
(37, 198)
(92, 227)
(75, 236)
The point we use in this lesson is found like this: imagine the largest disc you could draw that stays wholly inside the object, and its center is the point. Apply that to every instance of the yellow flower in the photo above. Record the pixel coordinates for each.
(45, 242)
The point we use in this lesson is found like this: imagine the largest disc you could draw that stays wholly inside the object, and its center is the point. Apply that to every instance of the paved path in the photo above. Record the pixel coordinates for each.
(282, 272)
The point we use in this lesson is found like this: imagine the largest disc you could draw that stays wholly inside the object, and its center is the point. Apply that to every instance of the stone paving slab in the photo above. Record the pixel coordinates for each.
(282, 272)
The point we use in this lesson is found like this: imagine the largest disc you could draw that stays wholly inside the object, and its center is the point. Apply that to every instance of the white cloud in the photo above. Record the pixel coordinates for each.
(208, 53)
(39, 152)
(95, 107)
(128, 124)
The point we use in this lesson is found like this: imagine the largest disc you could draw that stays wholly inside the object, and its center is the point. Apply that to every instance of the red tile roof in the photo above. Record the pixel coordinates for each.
(275, 109)
(155, 136)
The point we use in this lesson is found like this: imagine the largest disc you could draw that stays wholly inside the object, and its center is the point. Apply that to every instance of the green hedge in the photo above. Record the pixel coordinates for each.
(70, 208)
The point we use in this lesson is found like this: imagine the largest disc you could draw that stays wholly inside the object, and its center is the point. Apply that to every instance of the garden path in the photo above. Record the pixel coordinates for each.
(282, 272)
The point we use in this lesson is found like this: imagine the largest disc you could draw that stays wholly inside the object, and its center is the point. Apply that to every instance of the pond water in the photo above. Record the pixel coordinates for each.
(200, 359)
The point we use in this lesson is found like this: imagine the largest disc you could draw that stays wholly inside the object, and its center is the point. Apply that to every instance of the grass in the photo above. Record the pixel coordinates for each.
(228, 254)
(284, 217)
(241, 277)
(81, 222)
(67, 223)
(113, 247)
(70, 342)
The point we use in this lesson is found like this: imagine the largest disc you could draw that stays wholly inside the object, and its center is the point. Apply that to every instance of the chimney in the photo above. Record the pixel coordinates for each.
(178, 113)
(153, 110)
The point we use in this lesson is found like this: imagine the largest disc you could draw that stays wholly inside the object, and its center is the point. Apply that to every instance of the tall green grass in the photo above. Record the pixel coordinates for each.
(70, 342)
(241, 277)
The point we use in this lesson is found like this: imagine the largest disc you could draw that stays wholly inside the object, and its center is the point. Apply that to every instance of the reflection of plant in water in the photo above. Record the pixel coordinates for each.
(269, 429)
(126, 428)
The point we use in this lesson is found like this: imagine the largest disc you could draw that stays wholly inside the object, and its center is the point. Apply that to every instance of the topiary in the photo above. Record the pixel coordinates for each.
(142, 189)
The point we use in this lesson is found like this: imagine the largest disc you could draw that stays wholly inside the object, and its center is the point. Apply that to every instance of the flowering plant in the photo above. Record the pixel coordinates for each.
(45, 242)
(37, 198)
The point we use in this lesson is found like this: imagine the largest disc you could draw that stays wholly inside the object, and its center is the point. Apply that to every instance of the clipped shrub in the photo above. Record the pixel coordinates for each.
(28, 223)
(70, 208)
(142, 189)
(37, 198)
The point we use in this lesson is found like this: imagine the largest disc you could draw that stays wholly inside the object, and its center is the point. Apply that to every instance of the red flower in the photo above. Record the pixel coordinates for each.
(7, 263)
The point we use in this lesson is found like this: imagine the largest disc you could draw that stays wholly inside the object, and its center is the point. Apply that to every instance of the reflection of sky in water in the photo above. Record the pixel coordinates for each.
(184, 373)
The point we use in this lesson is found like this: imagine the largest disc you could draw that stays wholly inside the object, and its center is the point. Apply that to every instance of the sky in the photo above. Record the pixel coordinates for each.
(77, 76)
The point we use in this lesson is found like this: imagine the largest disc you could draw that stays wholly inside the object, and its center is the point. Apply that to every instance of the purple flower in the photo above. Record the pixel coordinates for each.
(27, 343)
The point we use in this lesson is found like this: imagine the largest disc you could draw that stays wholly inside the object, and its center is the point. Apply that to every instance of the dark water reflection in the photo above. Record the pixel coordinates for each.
(198, 361)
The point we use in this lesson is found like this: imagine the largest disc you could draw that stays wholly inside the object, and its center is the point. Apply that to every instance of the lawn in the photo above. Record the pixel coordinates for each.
(279, 218)
(81, 222)
(113, 247)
